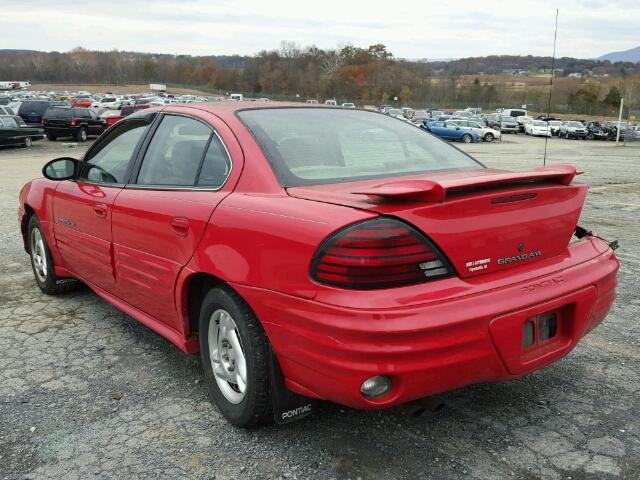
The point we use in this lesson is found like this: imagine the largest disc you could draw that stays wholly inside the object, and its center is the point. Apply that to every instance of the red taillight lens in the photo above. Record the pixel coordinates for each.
(381, 253)
(73, 122)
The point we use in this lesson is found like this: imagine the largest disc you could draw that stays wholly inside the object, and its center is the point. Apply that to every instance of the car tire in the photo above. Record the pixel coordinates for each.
(233, 342)
(488, 137)
(28, 142)
(51, 137)
(466, 138)
(81, 135)
(42, 263)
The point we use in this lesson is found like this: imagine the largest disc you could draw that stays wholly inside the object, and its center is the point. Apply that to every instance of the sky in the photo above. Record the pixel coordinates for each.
(410, 29)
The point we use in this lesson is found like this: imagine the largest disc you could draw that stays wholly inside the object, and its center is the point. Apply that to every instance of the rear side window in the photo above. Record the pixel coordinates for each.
(216, 165)
(175, 153)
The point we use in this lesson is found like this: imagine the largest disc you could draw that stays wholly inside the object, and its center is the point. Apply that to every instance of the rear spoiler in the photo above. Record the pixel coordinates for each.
(435, 191)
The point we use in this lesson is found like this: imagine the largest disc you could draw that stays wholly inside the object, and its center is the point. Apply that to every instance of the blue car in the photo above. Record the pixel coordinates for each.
(451, 131)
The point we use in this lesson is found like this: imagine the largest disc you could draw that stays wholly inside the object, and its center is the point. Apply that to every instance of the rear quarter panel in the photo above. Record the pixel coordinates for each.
(268, 241)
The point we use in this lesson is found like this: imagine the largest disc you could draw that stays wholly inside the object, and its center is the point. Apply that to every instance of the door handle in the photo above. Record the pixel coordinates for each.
(180, 226)
(100, 210)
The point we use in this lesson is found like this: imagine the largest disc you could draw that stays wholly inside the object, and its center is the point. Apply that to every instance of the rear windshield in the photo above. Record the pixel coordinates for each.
(308, 146)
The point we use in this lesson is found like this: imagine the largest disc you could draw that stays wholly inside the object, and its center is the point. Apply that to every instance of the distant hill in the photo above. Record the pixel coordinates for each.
(631, 55)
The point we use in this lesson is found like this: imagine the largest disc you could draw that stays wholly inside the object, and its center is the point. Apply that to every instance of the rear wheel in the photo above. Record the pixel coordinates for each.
(235, 358)
(28, 142)
(42, 264)
(81, 135)
(488, 137)
(466, 138)
(51, 136)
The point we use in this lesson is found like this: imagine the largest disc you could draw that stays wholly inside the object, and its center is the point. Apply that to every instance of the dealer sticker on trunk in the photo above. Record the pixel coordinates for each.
(475, 265)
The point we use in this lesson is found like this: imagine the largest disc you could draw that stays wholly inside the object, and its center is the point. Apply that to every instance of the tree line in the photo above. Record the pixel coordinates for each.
(370, 75)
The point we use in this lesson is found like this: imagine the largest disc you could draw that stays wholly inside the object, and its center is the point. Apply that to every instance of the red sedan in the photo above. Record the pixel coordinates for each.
(321, 253)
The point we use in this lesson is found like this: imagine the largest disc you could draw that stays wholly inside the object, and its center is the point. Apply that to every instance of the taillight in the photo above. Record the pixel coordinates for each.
(43, 121)
(72, 122)
(380, 253)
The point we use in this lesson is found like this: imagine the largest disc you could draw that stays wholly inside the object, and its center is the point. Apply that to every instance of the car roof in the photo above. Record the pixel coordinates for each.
(227, 109)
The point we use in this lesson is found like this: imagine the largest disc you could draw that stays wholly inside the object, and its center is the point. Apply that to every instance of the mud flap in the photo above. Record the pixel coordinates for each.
(288, 406)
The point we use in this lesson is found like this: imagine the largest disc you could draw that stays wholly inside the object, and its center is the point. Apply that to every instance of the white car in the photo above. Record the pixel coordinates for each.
(555, 126)
(487, 134)
(537, 128)
(348, 105)
(330, 102)
(522, 119)
(106, 102)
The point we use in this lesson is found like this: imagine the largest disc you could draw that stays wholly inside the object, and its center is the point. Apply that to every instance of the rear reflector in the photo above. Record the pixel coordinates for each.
(381, 253)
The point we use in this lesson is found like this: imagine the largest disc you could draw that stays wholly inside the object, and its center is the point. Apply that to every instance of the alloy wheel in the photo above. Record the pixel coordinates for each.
(38, 255)
(227, 356)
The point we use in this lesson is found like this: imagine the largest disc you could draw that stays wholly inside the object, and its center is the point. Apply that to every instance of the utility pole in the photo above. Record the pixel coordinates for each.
(619, 122)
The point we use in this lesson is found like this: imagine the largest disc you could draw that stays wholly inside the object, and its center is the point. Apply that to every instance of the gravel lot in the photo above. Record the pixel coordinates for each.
(87, 392)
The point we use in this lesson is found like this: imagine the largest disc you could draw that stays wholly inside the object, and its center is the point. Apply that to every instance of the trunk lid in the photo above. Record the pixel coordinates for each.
(483, 220)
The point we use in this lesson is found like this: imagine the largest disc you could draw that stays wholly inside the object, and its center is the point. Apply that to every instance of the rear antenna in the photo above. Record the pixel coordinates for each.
(553, 72)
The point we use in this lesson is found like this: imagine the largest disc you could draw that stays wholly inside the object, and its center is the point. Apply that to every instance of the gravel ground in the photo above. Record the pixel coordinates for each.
(87, 392)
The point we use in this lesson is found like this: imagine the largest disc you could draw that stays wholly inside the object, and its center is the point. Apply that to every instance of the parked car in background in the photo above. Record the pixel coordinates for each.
(311, 101)
(522, 120)
(33, 110)
(82, 101)
(6, 110)
(487, 134)
(595, 131)
(331, 102)
(348, 105)
(573, 129)
(410, 269)
(554, 125)
(538, 128)
(450, 131)
(13, 131)
(508, 124)
(513, 112)
(125, 111)
(105, 102)
(79, 123)
(396, 113)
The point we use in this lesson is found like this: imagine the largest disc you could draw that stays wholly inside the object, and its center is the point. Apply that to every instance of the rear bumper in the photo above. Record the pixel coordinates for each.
(327, 350)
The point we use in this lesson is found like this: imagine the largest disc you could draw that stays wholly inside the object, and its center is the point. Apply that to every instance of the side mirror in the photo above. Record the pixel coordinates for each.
(61, 168)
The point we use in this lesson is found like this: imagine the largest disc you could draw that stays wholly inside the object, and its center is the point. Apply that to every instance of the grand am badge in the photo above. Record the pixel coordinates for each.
(519, 258)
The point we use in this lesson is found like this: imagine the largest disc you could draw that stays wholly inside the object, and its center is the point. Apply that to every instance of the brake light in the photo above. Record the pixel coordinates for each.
(72, 122)
(43, 121)
(380, 253)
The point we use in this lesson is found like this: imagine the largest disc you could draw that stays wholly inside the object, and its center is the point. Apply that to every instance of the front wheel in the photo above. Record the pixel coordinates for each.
(42, 264)
(466, 138)
(488, 137)
(28, 142)
(235, 358)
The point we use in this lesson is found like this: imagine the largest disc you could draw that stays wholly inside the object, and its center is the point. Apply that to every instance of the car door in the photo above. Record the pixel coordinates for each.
(161, 216)
(82, 208)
